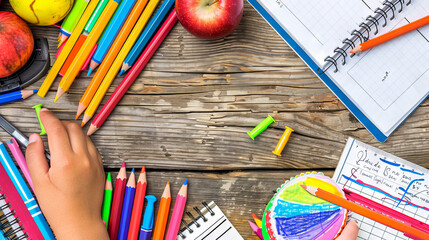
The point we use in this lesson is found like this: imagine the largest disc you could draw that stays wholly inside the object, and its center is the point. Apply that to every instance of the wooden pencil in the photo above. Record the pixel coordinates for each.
(162, 217)
(118, 198)
(176, 216)
(133, 231)
(342, 202)
(391, 35)
(127, 207)
(16, 96)
(107, 200)
(134, 72)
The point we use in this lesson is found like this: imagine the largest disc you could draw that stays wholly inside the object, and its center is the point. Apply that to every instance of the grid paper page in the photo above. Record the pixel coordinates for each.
(386, 179)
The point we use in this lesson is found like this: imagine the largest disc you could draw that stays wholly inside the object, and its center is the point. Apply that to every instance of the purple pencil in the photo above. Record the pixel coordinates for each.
(127, 207)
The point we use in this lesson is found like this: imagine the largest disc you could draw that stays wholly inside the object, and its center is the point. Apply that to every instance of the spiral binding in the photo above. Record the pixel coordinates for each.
(6, 226)
(381, 16)
(194, 221)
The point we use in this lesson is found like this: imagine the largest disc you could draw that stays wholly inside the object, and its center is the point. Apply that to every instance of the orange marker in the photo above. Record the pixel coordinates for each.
(133, 231)
(161, 219)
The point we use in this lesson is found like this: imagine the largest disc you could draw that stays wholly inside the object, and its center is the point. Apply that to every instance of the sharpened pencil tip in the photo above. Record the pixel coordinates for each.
(109, 177)
(186, 182)
(82, 124)
(304, 186)
(123, 164)
(56, 98)
(133, 171)
(35, 90)
(143, 170)
(121, 72)
(89, 72)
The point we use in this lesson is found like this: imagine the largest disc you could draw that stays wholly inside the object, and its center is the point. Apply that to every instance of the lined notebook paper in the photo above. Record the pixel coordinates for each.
(213, 225)
(386, 179)
(384, 84)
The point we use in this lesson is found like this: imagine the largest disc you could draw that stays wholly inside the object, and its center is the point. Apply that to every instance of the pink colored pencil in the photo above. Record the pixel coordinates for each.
(256, 230)
(179, 208)
(20, 159)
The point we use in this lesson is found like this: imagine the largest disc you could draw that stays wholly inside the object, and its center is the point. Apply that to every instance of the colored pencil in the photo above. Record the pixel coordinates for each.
(136, 215)
(146, 229)
(20, 159)
(133, 73)
(127, 207)
(95, 15)
(256, 230)
(86, 48)
(107, 201)
(16, 96)
(118, 199)
(111, 32)
(176, 216)
(257, 220)
(73, 53)
(342, 202)
(50, 78)
(162, 217)
(391, 35)
(110, 56)
(155, 22)
(71, 20)
(25, 193)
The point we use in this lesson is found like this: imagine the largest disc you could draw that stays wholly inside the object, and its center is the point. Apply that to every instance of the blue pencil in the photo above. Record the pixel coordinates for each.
(25, 193)
(146, 229)
(16, 96)
(127, 207)
(110, 33)
(141, 43)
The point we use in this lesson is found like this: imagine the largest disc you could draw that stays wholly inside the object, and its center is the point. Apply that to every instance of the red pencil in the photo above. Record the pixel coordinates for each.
(133, 73)
(133, 231)
(118, 199)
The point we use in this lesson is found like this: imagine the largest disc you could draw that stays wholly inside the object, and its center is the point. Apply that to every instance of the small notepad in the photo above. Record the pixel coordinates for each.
(210, 224)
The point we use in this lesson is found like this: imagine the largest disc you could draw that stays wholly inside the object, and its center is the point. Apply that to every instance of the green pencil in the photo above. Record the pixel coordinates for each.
(72, 18)
(107, 202)
(95, 15)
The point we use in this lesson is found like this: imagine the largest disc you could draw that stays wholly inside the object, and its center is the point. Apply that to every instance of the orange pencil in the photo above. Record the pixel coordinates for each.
(391, 35)
(162, 217)
(133, 231)
(110, 56)
(383, 219)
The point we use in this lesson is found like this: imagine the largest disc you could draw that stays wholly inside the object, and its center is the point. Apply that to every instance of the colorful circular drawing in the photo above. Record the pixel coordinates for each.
(294, 214)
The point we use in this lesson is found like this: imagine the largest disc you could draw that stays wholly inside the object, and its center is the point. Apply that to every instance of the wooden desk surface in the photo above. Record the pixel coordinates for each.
(187, 115)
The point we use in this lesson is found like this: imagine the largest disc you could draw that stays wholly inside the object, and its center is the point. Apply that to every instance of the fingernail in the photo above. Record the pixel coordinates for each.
(44, 109)
(33, 138)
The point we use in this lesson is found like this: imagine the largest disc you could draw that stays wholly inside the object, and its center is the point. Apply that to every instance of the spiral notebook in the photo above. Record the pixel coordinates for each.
(382, 86)
(209, 224)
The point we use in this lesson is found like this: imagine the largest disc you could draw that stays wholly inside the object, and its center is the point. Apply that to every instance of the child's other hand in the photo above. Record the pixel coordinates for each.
(70, 191)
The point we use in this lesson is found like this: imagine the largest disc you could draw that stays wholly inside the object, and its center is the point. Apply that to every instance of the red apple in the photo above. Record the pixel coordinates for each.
(210, 19)
(16, 43)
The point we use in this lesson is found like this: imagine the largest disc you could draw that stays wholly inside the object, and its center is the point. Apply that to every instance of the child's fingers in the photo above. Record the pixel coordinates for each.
(36, 160)
(76, 137)
(93, 151)
(57, 135)
(350, 232)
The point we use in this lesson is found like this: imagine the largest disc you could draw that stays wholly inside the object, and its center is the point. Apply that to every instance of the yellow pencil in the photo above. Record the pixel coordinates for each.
(50, 78)
(116, 66)
(86, 48)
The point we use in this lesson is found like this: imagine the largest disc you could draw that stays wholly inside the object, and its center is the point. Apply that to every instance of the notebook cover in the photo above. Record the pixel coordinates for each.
(325, 78)
(17, 204)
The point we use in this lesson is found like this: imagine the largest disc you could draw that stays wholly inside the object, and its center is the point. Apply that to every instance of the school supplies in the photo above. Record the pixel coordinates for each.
(282, 141)
(130, 191)
(50, 78)
(146, 229)
(13, 212)
(95, 15)
(118, 199)
(106, 65)
(137, 211)
(37, 108)
(74, 52)
(381, 87)
(146, 35)
(385, 179)
(257, 230)
(212, 223)
(20, 159)
(257, 220)
(107, 200)
(134, 72)
(390, 35)
(71, 20)
(111, 32)
(25, 193)
(16, 96)
(86, 48)
(176, 216)
(162, 217)
(35, 68)
(332, 198)
(261, 127)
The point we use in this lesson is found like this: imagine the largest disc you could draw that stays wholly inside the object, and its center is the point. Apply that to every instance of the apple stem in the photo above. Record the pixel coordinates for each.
(213, 2)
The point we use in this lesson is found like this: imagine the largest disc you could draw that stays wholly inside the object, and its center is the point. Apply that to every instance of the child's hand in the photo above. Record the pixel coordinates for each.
(350, 231)
(70, 191)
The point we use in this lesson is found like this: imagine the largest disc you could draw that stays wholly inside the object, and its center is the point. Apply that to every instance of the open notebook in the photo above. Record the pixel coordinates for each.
(382, 86)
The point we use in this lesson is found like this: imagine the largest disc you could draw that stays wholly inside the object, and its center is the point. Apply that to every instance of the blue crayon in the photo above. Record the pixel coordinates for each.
(111, 32)
(146, 229)
(147, 34)
(127, 207)
(25, 193)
